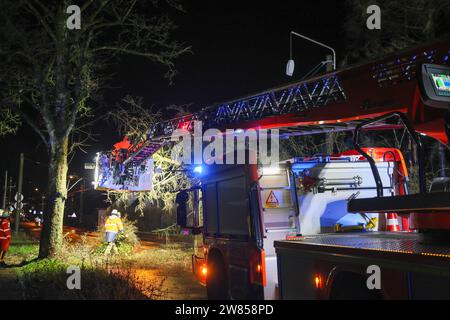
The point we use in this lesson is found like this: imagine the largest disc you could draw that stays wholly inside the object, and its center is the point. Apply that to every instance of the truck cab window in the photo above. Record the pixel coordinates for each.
(233, 206)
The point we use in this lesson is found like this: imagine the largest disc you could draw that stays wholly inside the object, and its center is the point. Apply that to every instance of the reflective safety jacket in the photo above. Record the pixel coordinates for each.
(5, 230)
(113, 224)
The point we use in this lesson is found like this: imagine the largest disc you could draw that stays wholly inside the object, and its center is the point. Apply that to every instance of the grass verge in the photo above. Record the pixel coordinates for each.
(127, 276)
(49, 278)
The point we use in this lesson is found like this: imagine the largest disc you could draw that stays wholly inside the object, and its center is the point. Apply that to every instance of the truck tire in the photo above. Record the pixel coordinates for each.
(217, 280)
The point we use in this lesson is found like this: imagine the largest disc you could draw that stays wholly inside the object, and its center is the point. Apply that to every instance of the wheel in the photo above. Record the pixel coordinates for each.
(217, 280)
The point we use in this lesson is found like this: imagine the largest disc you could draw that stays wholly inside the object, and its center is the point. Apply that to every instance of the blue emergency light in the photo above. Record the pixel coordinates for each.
(198, 169)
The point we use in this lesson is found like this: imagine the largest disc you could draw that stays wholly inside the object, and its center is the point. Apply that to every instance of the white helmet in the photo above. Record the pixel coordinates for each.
(4, 213)
(115, 212)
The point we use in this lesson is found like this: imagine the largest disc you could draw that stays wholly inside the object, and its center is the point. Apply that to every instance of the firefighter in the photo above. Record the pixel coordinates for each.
(113, 226)
(5, 236)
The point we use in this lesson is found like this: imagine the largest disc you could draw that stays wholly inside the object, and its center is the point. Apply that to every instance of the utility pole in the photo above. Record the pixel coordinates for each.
(83, 186)
(5, 190)
(43, 204)
(19, 191)
(10, 187)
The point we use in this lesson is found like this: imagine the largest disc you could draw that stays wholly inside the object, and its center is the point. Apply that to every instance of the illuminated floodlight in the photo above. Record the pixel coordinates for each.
(96, 171)
(270, 171)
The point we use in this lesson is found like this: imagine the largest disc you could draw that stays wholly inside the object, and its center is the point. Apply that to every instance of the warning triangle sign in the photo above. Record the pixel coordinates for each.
(272, 201)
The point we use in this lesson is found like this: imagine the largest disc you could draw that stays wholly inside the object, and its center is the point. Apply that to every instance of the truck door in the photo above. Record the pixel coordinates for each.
(279, 219)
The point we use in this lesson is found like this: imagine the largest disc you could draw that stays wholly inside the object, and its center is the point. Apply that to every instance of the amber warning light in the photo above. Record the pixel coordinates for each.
(318, 281)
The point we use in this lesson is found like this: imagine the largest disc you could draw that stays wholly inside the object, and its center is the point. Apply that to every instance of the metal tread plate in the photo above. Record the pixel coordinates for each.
(392, 242)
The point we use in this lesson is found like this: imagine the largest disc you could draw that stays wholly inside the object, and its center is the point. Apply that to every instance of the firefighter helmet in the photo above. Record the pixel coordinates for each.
(115, 212)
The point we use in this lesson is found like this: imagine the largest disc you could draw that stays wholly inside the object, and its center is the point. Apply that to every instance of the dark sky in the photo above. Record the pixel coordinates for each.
(240, 47)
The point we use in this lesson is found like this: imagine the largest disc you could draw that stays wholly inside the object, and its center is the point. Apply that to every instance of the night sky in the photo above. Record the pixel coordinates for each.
(238, 50)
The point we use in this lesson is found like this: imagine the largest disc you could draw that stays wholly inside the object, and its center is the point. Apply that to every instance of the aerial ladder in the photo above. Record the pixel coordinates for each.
(398, 91)
(337, 101)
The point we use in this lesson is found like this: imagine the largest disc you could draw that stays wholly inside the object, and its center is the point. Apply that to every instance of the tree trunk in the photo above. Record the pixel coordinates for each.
(330, 139)
(52, 232)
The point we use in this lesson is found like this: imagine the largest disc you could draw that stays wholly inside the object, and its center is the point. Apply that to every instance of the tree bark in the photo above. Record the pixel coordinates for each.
(52, 232)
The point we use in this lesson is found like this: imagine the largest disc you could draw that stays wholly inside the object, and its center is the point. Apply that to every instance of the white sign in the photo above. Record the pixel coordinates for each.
(89, 166)
(18, 197)
(18, 205)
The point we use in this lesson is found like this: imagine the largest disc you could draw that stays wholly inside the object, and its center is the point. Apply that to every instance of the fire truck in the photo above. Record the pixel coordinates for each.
(320, 227)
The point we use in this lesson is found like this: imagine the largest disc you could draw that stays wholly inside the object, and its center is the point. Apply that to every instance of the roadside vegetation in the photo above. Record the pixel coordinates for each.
(23, 249)
(126, 275)
(47, 279)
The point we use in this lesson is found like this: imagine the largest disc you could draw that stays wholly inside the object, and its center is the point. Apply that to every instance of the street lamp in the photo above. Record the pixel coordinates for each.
(74, 184)
(82, 190)
(291, 64)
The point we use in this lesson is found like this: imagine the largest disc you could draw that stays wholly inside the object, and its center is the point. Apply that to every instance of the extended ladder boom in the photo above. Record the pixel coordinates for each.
(334, 101)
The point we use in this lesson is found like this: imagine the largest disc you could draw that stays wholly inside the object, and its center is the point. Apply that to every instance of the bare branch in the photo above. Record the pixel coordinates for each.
(41, 19)
(35, 127)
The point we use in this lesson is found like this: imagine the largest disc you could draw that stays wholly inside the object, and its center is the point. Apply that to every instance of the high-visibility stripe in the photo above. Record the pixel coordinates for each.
(113, 225)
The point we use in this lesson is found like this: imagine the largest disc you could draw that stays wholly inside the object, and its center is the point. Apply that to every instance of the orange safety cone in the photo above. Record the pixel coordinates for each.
(392, 222)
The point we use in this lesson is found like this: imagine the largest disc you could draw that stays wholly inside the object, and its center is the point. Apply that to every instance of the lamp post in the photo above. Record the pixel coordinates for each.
(82, 190)
(81, 212)
(19, 194)
(291, 64)
(5, 190)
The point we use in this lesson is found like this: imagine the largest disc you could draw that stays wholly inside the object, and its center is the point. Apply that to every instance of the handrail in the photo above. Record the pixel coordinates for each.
(414, 136)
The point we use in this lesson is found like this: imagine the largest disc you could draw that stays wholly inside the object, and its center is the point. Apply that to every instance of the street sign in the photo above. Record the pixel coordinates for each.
(89, 166)
(18, 197)
(18, 205)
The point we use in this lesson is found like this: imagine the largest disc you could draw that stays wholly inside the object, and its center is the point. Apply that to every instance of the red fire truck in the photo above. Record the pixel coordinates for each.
(321, 227)
(245, 210)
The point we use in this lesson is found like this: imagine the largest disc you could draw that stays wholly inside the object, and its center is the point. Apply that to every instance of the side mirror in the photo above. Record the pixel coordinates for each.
(181, 201)
(189, 214)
